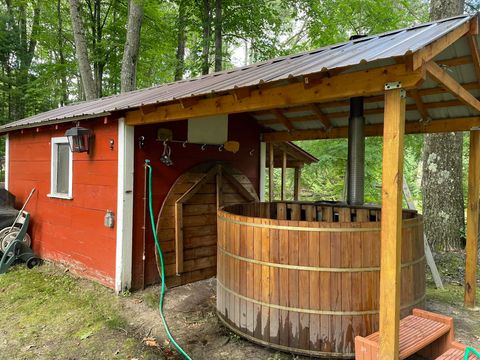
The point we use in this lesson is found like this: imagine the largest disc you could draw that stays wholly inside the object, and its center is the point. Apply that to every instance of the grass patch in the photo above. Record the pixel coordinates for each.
(451, 294)
(152, 298)
(47, 313)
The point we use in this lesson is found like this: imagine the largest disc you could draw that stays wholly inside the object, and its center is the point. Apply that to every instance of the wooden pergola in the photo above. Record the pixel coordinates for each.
(286, 155)
(395, 86)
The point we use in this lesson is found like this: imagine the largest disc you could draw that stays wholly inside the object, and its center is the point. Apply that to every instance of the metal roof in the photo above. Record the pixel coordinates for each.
(296, 156)
(371, 51)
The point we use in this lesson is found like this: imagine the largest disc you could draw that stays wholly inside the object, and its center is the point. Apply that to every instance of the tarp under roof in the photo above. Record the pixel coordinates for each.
(368, 52)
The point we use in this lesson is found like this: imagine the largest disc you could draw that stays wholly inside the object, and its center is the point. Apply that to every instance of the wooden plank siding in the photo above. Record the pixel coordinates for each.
(69, 231)
(201, 210)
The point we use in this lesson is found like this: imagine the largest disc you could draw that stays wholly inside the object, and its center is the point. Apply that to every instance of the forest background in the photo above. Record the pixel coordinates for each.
(40, 68)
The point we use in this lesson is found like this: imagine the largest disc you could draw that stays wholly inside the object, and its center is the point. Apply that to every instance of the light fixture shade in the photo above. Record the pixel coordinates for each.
(79, 139)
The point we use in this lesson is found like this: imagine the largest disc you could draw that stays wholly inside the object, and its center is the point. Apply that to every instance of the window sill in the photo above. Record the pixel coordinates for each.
(60, 196)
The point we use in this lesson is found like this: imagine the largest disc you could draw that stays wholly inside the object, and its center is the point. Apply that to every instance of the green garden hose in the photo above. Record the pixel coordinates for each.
(469, 350)
(162, 266)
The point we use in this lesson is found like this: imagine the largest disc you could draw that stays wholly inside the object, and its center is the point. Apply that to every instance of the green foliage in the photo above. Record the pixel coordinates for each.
(332, 21)
(325, 180)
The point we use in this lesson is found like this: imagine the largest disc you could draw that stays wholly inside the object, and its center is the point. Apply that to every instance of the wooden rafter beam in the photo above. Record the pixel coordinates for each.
(472, 41)
(343, 114)
(429, 52)
(282, 119)
(362, 83)
(373, 99)
(422, 109)
(322, 116)
(456, 89)
(462, 60)
(411, 127)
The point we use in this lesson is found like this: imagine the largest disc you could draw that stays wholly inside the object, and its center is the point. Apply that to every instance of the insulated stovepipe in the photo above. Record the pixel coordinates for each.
(356, 153)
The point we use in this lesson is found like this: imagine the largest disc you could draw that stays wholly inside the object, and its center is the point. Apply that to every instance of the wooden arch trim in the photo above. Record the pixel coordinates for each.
(219, 172)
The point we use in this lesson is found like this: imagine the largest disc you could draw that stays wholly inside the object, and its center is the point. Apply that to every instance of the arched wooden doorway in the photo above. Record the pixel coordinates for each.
(187, 221)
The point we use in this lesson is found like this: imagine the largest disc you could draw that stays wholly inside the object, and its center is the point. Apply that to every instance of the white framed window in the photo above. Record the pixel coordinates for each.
(61, 169)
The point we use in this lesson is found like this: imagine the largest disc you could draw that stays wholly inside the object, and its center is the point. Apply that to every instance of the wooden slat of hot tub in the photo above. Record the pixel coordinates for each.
(257, 251)
(293, 236)
(358, 292)
(304, 287)
(346, 250)
(325, 281)
(265, 280)
(275, 325)
(315, 289)
(236, 272)
(284, 283)
(250, 281)
(243, 276)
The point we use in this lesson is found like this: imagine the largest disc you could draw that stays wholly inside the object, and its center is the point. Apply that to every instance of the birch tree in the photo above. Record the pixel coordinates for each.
(81, 51)
(132, 46)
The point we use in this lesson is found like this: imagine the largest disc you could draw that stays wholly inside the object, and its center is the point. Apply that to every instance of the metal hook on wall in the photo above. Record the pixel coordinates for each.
(203, 147)
(220, 148)
(251, 152)
(184, 144)
(166, 156)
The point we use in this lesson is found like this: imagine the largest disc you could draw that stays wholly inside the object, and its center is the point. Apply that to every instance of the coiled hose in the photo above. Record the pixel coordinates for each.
(162, 266)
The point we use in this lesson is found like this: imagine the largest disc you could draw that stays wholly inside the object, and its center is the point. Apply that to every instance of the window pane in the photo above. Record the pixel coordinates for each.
(63, 176)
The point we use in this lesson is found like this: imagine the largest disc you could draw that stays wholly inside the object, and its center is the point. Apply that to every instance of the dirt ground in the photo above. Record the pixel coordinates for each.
(191, 315)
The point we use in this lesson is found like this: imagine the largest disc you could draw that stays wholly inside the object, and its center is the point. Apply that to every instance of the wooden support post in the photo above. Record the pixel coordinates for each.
(296, 189)
(284, 174)
(270, 173)
(472, 220)
(391, 226)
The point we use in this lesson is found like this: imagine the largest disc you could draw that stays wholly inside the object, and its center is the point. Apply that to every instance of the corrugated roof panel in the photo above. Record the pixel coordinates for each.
(363, 53)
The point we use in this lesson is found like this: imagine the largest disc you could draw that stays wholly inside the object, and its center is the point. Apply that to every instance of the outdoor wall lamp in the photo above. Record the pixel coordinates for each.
(79, 139)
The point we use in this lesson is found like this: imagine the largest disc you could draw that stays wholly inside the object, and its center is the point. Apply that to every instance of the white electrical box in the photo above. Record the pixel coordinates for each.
(208, 130)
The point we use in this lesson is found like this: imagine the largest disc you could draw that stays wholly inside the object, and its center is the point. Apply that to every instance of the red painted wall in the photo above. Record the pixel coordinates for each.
(241, 128)
(69, 231)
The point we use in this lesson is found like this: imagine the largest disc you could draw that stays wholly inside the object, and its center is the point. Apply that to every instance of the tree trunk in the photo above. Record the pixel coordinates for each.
(88, 83)
(61, 44)
(206, 37)
(181, 25)
(132, 45)
(442, 187)
(218, 35)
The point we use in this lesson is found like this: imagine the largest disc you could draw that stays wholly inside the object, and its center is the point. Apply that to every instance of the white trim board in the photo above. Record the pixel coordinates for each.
(7, 161)
(123, 257)
(53, 169)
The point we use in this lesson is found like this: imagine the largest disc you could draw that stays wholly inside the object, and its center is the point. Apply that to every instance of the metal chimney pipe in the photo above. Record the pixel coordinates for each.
(356, 153)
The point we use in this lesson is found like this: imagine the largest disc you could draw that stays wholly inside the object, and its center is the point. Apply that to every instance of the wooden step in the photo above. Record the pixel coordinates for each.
(416, 333)
(423, 332)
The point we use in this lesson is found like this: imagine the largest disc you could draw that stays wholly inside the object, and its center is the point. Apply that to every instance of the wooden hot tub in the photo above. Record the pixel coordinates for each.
(304, 278)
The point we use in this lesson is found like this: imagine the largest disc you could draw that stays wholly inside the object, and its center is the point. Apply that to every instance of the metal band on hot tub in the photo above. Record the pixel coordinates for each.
(313, 268)
(407, 224)
(313, 311)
